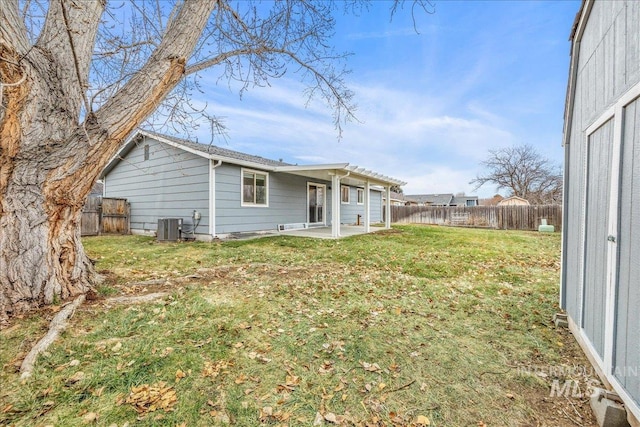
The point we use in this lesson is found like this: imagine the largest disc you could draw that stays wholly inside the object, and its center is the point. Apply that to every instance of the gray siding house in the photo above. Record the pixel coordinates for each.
(601, 233)
(447, 199)
(233, 192)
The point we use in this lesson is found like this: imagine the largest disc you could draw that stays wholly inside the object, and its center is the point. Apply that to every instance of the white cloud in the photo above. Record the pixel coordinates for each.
(407, 135)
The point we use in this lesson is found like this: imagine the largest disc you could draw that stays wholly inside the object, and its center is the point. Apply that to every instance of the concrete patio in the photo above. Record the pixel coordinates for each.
(325, 232)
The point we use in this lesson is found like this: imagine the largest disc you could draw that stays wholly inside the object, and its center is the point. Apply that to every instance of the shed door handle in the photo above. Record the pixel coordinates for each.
(611, 238)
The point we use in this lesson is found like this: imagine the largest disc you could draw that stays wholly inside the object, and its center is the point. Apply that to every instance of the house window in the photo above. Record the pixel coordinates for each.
(345, 194)
(471, 202)
(360, 196)
(254, 188)
(146, 152)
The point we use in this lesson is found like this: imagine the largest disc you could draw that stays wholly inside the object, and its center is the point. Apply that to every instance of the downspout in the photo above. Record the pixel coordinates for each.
(212, 196)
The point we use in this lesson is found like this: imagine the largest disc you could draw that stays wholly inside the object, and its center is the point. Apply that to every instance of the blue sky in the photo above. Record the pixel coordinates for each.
(479, 75)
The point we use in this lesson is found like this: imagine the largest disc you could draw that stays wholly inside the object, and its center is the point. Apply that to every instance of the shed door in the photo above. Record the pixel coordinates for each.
(599, 150)
(626, 357)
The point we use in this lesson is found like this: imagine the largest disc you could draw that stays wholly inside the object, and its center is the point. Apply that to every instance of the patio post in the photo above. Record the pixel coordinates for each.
(367, 208)
(335, 206)
(387, 219)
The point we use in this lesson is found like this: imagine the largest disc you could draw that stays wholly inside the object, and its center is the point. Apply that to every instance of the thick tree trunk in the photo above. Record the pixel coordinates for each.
(48, 159)
(41, 256)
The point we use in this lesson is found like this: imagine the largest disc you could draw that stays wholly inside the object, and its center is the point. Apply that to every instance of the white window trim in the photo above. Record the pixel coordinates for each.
(342, 202)
(324, 206)
(253, 205)
(358, 191)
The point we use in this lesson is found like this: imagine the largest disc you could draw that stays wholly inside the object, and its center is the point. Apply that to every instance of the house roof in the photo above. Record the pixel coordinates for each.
(352, 174)
(215, 151)
(506, 200)
(432, 199)
(457, 200)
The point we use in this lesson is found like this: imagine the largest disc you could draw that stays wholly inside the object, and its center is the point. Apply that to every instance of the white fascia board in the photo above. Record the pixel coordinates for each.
(251, 165)
(354, 172)
(175, 144)
(302, 168)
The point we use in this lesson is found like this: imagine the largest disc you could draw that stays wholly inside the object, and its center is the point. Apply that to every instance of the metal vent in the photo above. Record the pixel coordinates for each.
(169, 229)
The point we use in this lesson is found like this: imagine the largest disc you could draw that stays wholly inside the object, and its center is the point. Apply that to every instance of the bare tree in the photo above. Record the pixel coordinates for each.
(523, 172)
(77, 76)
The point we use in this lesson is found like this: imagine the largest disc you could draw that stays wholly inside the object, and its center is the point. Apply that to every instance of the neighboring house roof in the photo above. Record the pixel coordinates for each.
(462, 200)
(352, 173)
(431, 199)
(513, 200)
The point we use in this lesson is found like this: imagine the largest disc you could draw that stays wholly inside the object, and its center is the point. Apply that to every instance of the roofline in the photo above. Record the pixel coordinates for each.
(575, 37)
(209, 156)
(141, 132)
(363, 173)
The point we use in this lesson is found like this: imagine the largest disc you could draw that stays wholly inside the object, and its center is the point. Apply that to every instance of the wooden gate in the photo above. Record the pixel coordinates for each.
(115, 216)
(105, 215)
(90, 222)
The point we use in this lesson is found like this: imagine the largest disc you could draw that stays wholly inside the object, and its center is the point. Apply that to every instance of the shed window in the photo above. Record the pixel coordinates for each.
(254, 188)
(344, 194)
(360, 196)
(146, 152)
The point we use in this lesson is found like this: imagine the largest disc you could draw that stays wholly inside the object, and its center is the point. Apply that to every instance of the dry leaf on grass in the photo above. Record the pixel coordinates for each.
(213, 369)
(370, 367)
(319, 419)
(149, 398)
(331, 417)
(78, 376)
(89, 417)
(180, 375)
(421, 420)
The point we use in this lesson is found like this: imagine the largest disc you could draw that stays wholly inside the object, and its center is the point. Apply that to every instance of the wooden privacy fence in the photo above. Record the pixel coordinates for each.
(105, 215)
(500, 217)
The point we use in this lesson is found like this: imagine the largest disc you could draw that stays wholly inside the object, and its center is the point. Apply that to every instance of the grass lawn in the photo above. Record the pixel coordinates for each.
(414, 326)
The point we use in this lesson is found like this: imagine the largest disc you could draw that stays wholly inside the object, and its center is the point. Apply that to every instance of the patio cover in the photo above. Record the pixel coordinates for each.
(343, 173)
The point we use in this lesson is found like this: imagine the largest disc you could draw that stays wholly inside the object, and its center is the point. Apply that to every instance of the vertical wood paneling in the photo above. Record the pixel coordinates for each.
(90, 222)
(608, 67)
(596, 231)
(627, 337)
(500, 217)
(632, 48)
(105, 215)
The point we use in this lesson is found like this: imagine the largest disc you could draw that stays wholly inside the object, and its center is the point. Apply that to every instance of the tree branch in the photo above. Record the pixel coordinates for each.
(12, 28)
(202, 65)
(81, 81)
(139, 96)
